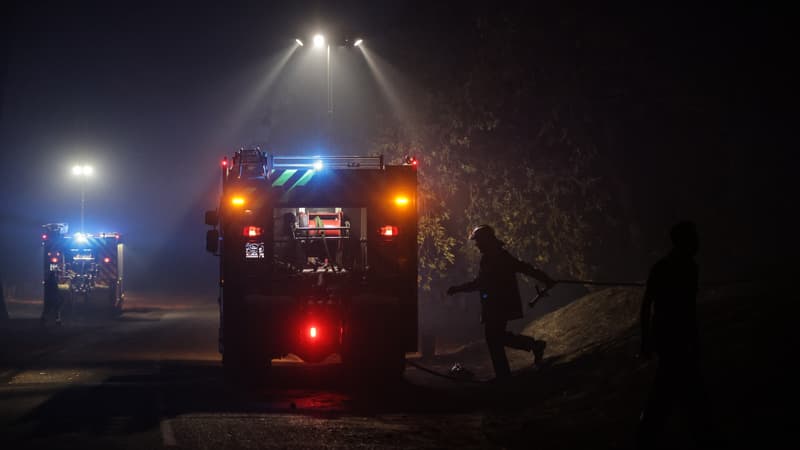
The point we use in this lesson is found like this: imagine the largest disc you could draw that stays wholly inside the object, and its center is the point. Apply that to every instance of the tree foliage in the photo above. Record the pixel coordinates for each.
(501, 142)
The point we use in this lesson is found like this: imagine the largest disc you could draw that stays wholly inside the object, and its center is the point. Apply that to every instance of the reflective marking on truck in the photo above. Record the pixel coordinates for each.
(284, 177)
(304, 179)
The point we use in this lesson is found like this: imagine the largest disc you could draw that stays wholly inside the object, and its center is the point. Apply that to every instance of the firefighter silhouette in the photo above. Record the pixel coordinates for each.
(52, 298)
(671, 332)
(500, 299)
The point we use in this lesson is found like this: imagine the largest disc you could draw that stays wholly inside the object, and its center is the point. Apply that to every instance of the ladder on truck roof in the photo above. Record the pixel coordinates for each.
(249, 163)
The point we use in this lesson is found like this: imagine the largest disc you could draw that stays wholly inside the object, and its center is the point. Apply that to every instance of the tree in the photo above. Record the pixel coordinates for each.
(501, 141)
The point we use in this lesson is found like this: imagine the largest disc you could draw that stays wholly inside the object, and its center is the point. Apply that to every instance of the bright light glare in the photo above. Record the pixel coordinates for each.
(83, 170)
(299, 42)
(358, 42)
(312, 332)
(319, 40)
(238, 201)
(401, 200)
(317, 165)
(80, 238)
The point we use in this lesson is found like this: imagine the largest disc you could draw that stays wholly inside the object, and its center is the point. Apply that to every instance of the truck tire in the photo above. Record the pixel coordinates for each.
(371, 348)
(240, 368)
(242, 361)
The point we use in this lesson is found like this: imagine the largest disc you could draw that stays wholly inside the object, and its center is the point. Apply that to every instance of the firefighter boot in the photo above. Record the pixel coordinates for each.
(538, 351)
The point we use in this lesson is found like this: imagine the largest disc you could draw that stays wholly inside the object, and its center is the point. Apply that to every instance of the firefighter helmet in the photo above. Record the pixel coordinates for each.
(483, 233)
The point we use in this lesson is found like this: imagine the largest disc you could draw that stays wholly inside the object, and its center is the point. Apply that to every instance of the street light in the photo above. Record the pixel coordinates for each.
(319, 40)
(83, 172)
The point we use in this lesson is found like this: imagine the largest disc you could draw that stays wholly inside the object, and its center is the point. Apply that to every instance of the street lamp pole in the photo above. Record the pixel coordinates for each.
(83, 199)
(83, 172)
(330, 91)
(319, 42)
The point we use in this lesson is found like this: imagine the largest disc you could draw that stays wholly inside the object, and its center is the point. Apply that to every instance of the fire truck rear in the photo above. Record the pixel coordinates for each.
(318, 256)
(88, 266)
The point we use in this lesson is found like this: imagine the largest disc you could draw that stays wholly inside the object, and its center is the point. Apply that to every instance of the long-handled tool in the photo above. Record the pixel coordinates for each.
(540, 293)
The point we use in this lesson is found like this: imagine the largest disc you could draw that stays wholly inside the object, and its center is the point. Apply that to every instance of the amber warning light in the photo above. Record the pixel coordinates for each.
(401, 200)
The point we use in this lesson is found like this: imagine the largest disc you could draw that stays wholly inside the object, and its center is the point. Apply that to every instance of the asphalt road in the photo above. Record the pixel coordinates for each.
(152, 378)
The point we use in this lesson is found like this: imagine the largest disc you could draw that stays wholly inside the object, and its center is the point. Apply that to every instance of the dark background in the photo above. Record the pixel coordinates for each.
(691, 105)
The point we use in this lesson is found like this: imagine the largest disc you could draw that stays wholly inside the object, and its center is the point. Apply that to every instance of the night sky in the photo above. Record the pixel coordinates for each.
(694, 106)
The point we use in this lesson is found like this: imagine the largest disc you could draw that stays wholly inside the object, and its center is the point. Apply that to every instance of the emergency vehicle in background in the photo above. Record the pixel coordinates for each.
(318, 256)
(88, 266)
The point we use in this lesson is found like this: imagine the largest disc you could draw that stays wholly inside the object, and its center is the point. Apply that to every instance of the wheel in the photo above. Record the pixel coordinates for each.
(365, 356)
(240, 369)
(242, 360)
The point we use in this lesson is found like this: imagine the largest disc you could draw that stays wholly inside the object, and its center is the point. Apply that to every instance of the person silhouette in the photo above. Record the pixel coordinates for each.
(669, 329)
(52, 298)
(500, 299)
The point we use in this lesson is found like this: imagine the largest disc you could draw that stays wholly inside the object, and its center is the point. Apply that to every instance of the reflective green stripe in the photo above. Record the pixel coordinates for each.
(300, 182)
(304, 179)
(284, 177)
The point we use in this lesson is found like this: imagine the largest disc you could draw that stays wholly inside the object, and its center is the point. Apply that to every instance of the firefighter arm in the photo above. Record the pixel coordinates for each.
(466, 287)
(533, 272)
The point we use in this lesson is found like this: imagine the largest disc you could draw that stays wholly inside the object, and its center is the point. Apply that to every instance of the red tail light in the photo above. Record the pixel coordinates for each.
(251, 231)
(53, 260)
(389, 231)
(44, 237)
(312, 332)
(106, 259)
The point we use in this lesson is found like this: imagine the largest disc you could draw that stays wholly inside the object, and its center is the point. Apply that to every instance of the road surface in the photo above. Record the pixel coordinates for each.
(152, 378)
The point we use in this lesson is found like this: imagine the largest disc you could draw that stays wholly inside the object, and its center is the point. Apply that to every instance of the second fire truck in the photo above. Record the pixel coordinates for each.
(88, 267)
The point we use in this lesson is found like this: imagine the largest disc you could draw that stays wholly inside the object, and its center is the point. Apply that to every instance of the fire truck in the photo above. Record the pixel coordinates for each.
(88, 266)
(318, 256)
